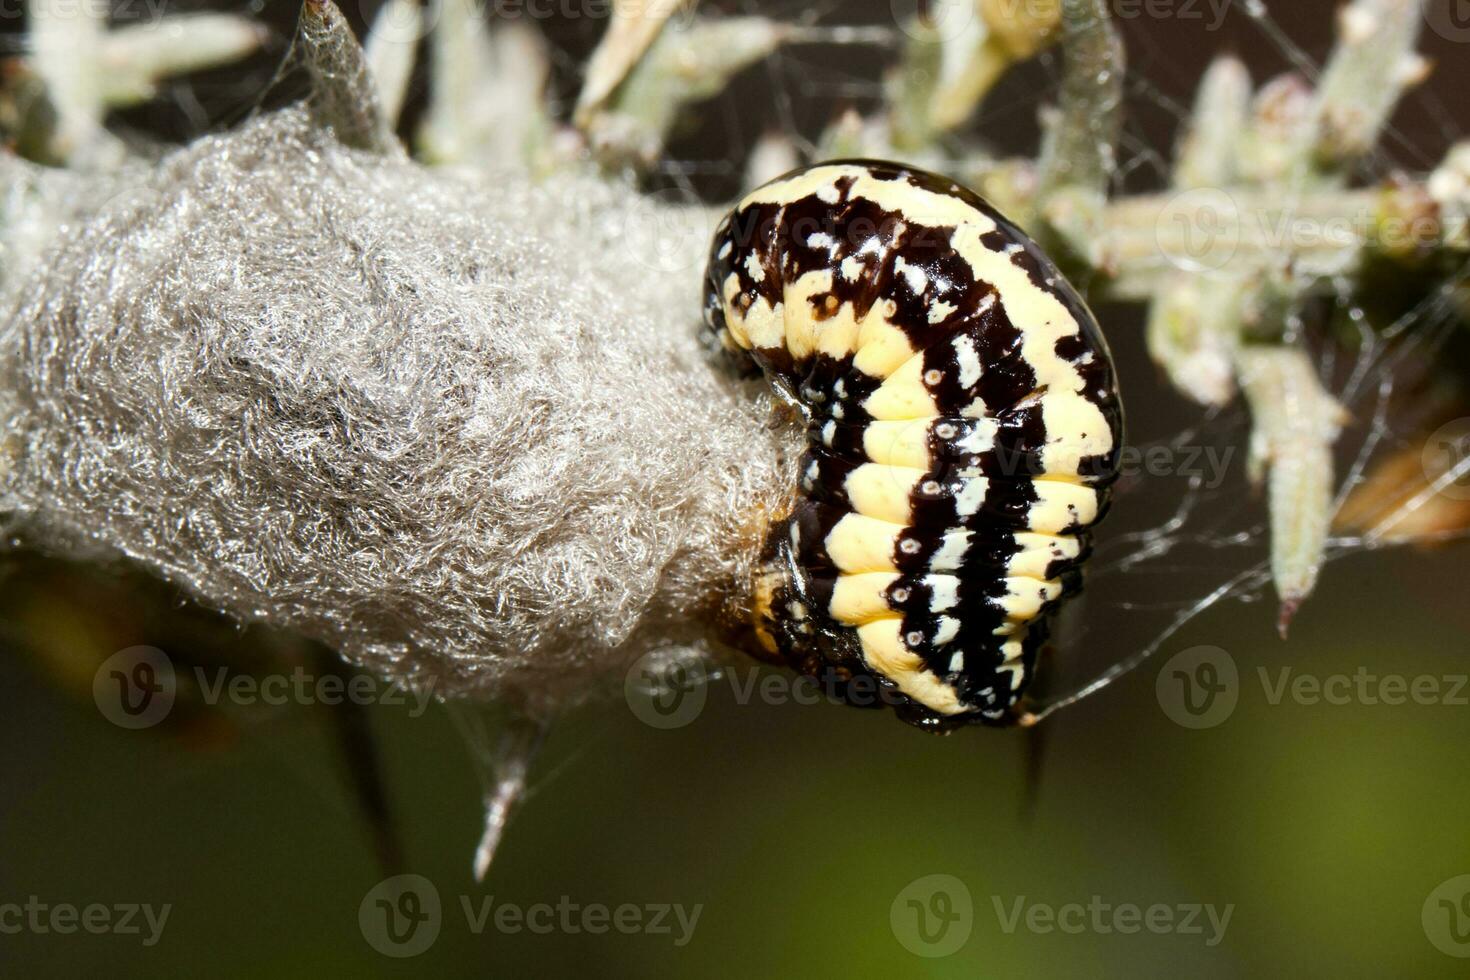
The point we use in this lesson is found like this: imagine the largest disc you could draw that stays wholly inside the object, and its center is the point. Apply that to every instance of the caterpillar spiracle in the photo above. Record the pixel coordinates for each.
(963, 428)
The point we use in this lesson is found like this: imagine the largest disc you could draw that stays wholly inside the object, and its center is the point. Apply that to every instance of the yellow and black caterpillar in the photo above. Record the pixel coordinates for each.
(963, 428)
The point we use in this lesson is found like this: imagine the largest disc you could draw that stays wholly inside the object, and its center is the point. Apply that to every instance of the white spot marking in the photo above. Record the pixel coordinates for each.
(940, 311)
(753, 267)
(916, 277)
(980, 438)
(951, 554)
(969, 359)
(971, 496)
(944, 592)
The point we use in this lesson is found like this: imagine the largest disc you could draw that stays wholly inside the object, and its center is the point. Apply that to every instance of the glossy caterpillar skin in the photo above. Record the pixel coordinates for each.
(962, 422)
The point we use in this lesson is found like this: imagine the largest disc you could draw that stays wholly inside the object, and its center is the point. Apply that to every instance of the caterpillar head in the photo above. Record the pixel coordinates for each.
(962, 422)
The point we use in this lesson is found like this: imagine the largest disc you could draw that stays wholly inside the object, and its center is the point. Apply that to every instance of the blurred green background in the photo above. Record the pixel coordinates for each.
(795, 830)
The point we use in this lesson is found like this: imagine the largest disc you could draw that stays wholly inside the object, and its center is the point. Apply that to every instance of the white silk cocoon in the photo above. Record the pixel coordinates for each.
(461, 429)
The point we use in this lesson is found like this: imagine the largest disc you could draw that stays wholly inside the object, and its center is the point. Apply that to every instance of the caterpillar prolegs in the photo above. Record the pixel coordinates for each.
(962, 423)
